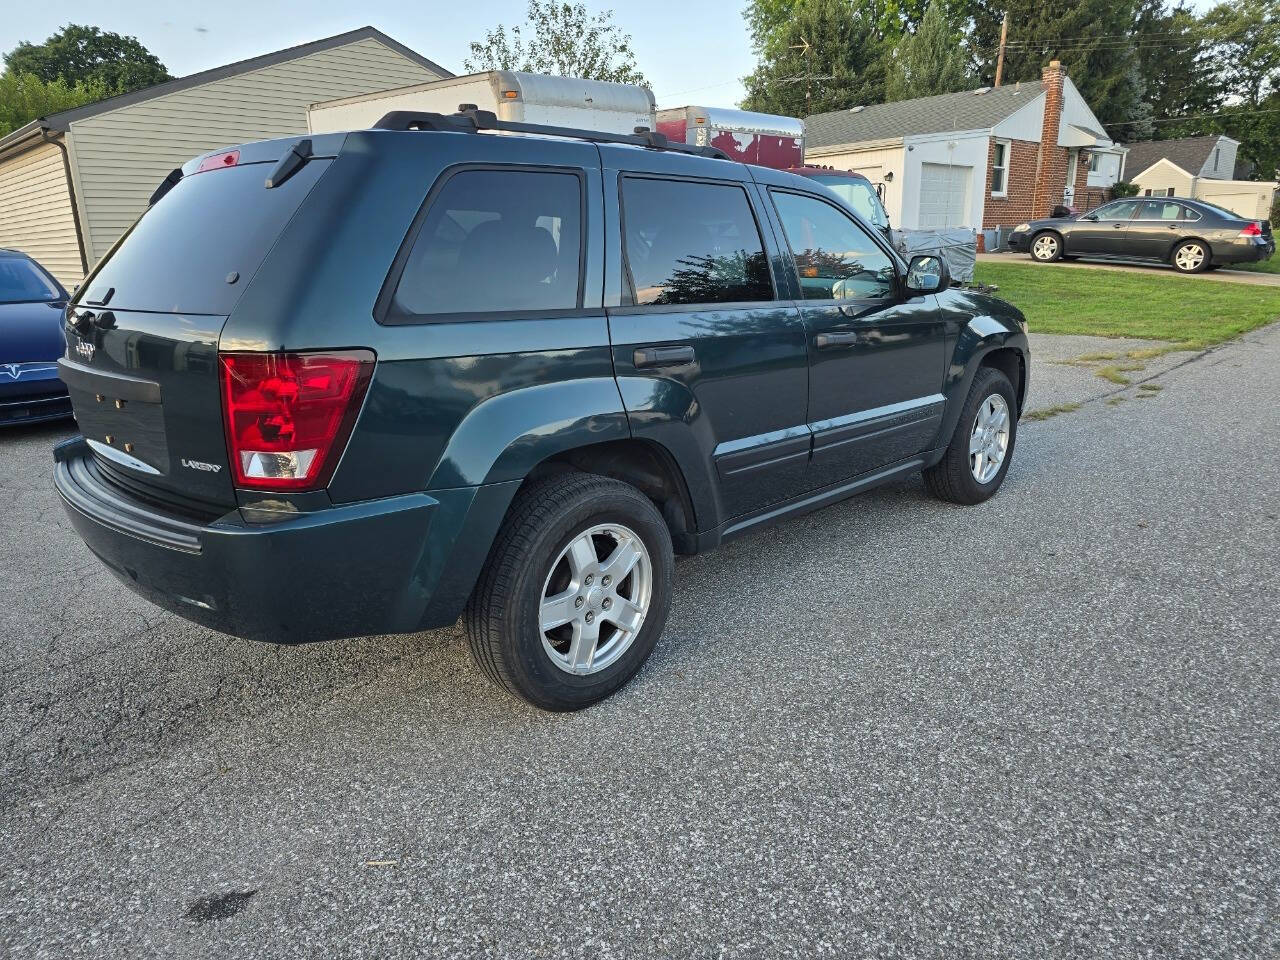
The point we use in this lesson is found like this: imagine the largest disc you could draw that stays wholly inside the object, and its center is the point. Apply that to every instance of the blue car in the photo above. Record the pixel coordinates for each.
(31, 341)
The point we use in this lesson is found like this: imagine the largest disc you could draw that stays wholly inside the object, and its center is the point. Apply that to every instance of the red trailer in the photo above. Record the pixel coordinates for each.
(761, 138)
(770, 141)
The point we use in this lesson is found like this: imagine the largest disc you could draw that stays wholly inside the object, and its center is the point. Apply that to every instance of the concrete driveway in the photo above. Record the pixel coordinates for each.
(1222, 275)
(1042, 727)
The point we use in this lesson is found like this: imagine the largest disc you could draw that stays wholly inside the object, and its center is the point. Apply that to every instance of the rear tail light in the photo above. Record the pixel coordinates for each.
(219, 160)
(288, 415)
(1252, 230)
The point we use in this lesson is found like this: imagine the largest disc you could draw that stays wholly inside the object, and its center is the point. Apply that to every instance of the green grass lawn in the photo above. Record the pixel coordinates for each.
(1110, 303)
(1262, 266)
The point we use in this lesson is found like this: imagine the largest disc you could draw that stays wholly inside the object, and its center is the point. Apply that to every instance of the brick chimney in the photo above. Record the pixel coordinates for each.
(1051, 163)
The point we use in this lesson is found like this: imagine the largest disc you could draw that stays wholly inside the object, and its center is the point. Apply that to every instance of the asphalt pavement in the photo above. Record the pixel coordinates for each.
(1047, 726)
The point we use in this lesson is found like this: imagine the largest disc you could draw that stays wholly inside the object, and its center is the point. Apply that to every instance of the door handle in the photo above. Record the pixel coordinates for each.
(831, 341)
(663, 356)
(1117, 226)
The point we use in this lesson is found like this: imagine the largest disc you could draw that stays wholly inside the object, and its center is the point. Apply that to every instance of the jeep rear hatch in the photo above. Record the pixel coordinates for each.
(143, 337)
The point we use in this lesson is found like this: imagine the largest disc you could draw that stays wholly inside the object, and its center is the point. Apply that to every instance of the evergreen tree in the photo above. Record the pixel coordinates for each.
(1178, 63)
(929, 61)
(1093, 39)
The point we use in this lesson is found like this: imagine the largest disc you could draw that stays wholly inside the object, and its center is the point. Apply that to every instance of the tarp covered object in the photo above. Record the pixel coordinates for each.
(958, 247)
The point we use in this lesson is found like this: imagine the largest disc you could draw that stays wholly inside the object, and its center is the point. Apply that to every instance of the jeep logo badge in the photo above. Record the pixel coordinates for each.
(85, 349)
(201, 465)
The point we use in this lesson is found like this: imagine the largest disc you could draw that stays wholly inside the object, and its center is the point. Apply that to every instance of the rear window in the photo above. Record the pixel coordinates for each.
(177, 258)
(21, 281)
(496, 241)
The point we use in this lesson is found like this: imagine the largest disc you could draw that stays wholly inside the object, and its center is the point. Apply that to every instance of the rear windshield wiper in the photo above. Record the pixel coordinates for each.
(290, 163)
(167, 184)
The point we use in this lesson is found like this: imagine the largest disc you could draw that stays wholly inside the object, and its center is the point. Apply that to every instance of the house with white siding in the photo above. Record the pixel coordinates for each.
(71, 183)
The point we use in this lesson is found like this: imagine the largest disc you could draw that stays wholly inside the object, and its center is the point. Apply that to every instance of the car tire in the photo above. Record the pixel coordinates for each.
(551, 552)
(957, 477)
(1190, 256)
(1046, 247)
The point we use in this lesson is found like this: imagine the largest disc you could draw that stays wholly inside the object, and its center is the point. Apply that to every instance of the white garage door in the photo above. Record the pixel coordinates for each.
(1241, 204)
(944, 195)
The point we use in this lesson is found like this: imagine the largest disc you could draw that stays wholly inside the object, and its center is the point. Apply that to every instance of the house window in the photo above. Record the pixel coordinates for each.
(1095, 161)
(1215, 159)
(1000, 169)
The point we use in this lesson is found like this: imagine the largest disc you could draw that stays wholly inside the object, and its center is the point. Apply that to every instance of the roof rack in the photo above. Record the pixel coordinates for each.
(468, 119)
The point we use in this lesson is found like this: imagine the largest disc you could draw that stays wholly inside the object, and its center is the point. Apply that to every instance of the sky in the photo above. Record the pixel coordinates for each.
(691, 52)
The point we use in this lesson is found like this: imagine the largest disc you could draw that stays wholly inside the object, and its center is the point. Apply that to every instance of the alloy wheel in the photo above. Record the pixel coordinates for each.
(1045, 248)
(595, 598)
(989, 439)
(1189, 257)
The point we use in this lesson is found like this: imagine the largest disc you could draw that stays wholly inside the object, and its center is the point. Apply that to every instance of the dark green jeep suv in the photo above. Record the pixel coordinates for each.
(365, 383)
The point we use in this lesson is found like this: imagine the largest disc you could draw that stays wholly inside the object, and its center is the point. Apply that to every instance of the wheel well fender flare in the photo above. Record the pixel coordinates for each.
(1190, 238)
(980, 337)
(507, 435)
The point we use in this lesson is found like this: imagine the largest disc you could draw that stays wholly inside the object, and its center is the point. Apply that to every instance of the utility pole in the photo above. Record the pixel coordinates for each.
(805, 49)
(1004, 35)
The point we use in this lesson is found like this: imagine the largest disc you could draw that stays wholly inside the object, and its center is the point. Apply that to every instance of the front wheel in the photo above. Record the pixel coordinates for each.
(977, 459)
(575, 592)
(1046, 247)
(1190, 256)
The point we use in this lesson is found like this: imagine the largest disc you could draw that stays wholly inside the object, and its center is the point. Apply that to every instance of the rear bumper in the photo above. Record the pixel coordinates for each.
(1244, 250)
(396, 565)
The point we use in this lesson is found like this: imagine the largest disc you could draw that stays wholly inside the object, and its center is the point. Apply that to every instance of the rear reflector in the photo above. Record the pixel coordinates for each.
(1252, 230)
(218, 161)
(288, 415)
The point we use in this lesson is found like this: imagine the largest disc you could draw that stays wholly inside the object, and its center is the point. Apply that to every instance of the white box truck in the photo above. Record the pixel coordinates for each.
(513, 96)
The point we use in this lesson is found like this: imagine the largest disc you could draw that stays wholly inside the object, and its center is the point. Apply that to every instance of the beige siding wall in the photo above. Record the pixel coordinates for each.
(121, 156)
(35, 211)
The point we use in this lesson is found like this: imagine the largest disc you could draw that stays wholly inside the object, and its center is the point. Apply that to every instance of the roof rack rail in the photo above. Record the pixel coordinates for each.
(470, 120)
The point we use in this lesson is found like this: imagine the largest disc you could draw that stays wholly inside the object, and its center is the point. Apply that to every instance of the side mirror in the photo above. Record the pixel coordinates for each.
(928, 273)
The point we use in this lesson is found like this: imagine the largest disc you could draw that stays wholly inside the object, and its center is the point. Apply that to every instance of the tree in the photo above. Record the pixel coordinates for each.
(828, 55)
(24, 96)
(1246, 37)
(1178, 63)
(929, 61)
(78, 54)
(560, 39)
(1092, 38)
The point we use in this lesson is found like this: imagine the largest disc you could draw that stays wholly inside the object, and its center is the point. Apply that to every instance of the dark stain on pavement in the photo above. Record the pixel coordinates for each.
(211, 909)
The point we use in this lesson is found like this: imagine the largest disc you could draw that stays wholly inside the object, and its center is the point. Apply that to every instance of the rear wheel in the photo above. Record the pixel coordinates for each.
(575, 592)
(1046, 247)
(1190, 256)
(977, 459)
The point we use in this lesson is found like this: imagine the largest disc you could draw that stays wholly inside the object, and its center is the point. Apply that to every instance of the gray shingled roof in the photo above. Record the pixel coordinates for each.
(969, 110)
(60, 121)
(1189, 153)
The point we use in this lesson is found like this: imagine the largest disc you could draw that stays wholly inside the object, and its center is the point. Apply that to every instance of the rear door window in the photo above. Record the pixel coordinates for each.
(496, 241)
(835, 258)
(180, 254)
(1159, 210)
(692, 242)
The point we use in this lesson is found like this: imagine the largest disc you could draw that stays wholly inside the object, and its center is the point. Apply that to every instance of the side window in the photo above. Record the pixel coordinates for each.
(835, 258)
(1120, 210)
(1190, 214)
(497, 240)
(692, 243)
(1159, 210)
